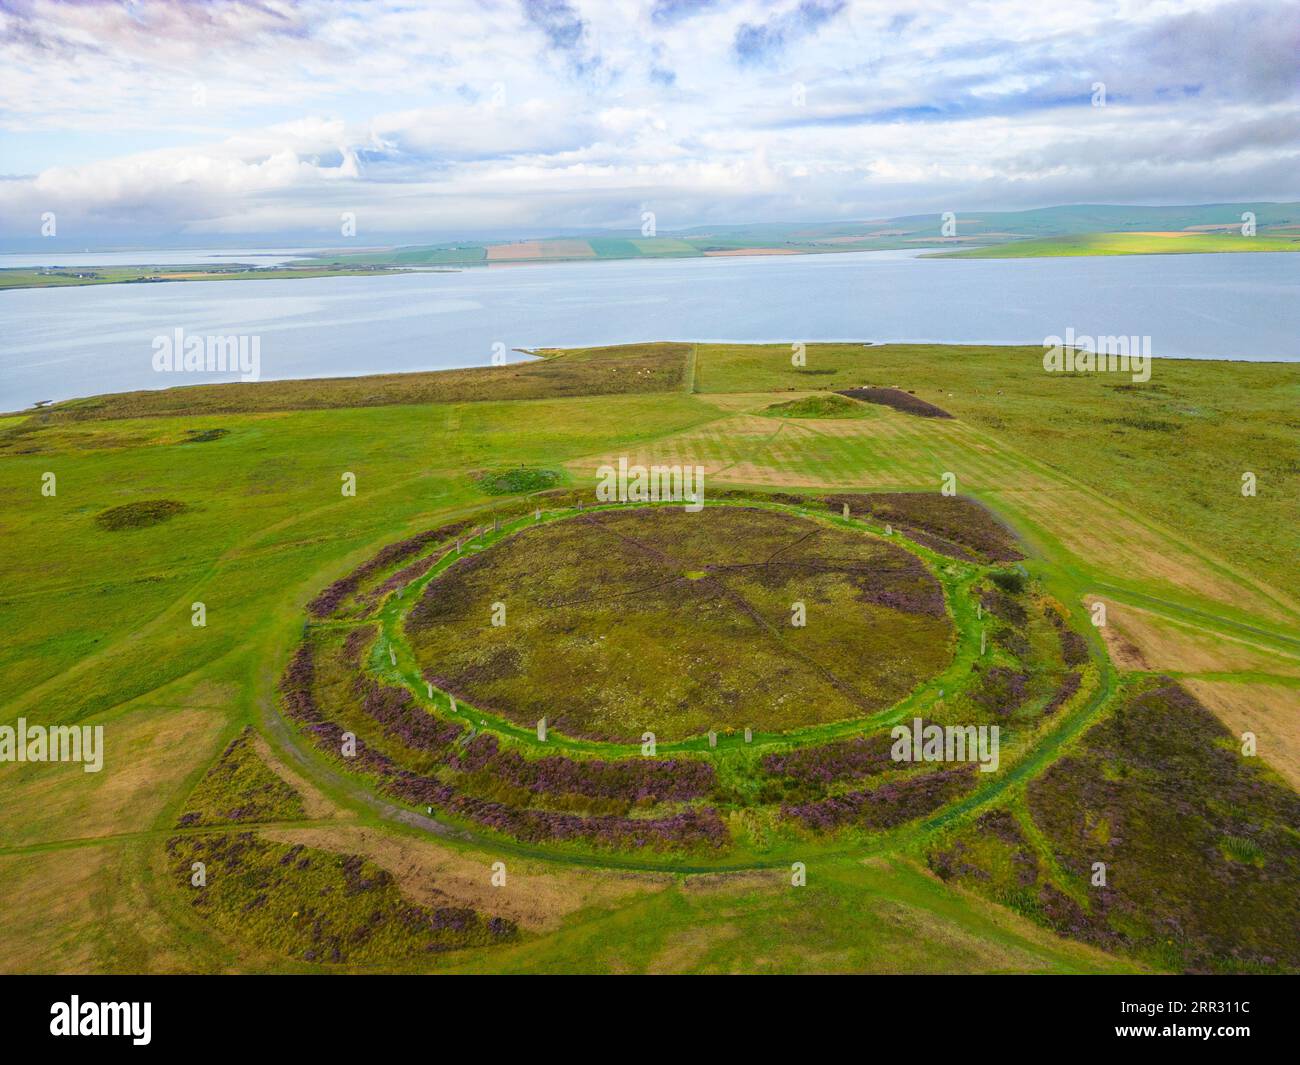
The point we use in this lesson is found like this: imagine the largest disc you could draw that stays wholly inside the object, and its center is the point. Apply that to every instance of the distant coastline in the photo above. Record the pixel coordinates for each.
(1054, 232)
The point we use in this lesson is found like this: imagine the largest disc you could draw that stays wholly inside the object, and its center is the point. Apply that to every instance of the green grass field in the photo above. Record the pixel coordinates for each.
(151, 275)
(1121, 493)
(1173, 242)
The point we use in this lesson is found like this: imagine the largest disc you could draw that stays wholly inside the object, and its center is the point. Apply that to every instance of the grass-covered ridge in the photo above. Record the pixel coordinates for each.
(631, 369)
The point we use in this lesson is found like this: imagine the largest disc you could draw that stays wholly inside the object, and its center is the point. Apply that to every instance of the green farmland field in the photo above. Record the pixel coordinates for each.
(347, 541)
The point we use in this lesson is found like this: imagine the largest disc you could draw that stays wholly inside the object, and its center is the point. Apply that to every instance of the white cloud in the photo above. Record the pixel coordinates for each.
(549, 114)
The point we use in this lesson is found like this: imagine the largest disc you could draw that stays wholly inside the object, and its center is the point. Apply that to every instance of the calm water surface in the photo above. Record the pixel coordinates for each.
(60, 343)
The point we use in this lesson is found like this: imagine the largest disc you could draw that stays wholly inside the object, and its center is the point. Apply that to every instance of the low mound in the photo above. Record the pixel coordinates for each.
(827, 406)
(139, 515)
(898, 399)
(318, 906)
(956, 526)
(517, 480)
(240, 788)
(618, 622)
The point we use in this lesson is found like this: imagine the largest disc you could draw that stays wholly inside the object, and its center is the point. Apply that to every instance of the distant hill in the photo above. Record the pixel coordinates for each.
(1051, 229)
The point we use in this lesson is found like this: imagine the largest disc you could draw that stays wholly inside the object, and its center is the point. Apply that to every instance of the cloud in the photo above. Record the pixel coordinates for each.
(564, 30)
(762, 41)
(546, 115)
(667, 12)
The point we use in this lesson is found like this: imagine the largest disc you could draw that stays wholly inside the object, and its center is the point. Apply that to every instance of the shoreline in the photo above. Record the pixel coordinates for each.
(307, 269)
(542, 353)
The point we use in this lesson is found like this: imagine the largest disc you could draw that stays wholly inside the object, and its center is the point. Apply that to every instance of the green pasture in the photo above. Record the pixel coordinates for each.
(1124, 489)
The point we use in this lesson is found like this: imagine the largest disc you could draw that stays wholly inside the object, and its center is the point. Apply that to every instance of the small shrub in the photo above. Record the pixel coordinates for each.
(1010, 581)
(204, 436)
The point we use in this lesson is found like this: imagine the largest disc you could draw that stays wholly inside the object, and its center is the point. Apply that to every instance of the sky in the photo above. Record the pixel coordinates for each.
(220, 122)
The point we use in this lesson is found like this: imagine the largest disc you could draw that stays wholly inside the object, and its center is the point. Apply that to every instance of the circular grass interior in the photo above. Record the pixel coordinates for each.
(654, 619)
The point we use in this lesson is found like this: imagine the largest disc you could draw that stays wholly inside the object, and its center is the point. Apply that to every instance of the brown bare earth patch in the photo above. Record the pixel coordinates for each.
(1270, 711)
(720, 883)
(46, 910)
(431, 874)
(530, 249)
(540, 249)
(1139, 639)
(148, 753)
(315, 802)
(1134, 546)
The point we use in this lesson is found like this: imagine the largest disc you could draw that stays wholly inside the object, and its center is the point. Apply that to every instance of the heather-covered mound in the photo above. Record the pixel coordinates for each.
(423, 760)
(139, 515)
(316, 906)
(517, 479)
(898, 399)
(240, 788)
(956, 526)
(1199, 844)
